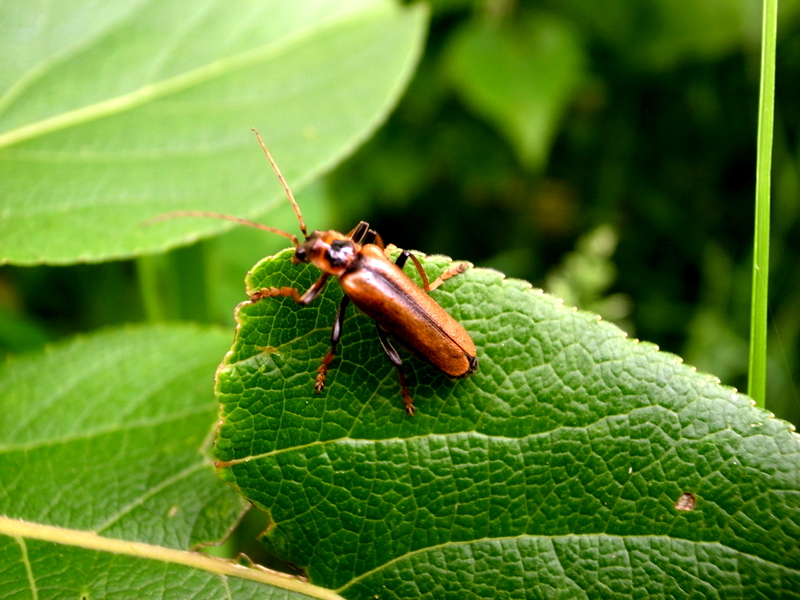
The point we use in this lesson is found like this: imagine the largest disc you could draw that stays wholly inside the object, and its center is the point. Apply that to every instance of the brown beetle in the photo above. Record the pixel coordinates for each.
(379, 288)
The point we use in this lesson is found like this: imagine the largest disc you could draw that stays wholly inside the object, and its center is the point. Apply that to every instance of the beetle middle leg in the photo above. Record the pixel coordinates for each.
(336, 334)
(451, 272)
(395, 359)
(304, 300)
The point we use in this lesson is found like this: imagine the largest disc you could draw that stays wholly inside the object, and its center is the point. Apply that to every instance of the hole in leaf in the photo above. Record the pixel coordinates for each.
(687, 501)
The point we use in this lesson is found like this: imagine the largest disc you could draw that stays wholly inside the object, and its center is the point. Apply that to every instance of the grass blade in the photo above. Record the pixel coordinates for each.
(766, 111)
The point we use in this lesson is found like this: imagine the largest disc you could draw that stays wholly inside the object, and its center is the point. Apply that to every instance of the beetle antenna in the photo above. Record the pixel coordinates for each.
(213, 215)
(283, 183)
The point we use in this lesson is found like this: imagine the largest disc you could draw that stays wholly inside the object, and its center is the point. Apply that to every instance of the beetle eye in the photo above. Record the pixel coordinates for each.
(300, 254)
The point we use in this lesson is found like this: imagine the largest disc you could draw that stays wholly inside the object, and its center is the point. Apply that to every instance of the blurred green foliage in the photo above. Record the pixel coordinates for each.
(605, 152)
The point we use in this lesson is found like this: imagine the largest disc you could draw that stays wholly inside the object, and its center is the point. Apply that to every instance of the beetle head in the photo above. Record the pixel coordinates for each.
(329, 251)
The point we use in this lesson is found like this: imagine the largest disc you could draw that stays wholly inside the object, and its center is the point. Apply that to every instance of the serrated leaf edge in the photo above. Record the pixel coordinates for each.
(622, 538)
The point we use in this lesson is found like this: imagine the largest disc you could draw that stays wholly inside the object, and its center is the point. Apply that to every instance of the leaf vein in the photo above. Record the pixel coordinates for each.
(23, 547)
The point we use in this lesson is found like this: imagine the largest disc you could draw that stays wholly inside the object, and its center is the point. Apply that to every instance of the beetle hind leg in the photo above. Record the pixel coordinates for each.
(451, 272)
(394, 358)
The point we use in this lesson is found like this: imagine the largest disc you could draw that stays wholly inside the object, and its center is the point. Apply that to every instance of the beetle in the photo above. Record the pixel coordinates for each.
(378, 287)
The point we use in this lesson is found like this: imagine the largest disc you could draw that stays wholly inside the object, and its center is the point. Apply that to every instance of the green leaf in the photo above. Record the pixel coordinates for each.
(520, 75)
(563, 467)
(111, 116)
(104, 484)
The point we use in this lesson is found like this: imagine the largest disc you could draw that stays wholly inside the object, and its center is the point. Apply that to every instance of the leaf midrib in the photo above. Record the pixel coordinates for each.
(180, 82)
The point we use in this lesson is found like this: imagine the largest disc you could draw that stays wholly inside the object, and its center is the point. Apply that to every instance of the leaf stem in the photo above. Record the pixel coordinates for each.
(756, 387)
(147, 271)
(175, 285)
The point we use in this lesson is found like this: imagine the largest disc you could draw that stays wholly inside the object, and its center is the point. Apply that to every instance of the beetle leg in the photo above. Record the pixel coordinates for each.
(401, 261)
(359, 232)
(373, 237)
(304, 300)
(451, 272)
(394, 358)
(336, 333)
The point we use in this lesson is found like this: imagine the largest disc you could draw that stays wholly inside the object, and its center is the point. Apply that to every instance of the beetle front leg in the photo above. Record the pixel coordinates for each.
(304, 300)
(394, 358)
(336, 334)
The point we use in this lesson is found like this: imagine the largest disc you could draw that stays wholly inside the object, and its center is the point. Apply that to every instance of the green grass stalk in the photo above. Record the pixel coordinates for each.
(757, 381)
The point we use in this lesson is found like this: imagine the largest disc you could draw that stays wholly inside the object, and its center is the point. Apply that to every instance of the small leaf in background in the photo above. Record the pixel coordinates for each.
(521, 75)
(662, 34)
(119, 115)
(19, 333)
(104, 482)
(561, 468)
(699, 30)
(584, 276)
